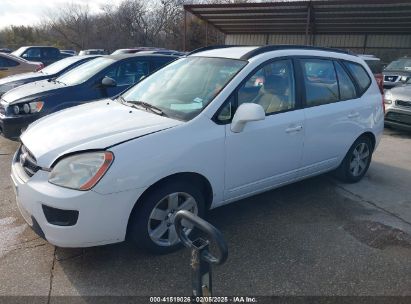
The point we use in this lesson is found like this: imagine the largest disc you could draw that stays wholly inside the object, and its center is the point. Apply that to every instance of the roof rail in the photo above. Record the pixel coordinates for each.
(212, 47)
(269, 48)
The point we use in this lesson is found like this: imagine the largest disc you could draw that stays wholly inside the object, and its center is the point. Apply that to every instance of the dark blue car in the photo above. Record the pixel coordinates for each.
(103, 77)
(52, 71)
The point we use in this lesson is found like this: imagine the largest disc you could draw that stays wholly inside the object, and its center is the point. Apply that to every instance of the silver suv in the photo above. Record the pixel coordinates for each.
(398, 106)
(397, 72)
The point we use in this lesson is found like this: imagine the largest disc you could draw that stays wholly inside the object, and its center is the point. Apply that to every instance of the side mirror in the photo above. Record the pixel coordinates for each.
(24, 56)
(108, 82)
(245, 113)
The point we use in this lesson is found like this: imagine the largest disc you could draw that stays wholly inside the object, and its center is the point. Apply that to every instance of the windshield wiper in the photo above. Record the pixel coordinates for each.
(146, 106)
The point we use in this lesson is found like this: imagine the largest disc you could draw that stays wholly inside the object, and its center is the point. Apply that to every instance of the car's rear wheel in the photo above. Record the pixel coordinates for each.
(356, 162)
(152, 223)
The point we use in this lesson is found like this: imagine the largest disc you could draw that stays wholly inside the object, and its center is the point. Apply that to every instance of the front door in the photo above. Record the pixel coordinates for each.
(266, 153)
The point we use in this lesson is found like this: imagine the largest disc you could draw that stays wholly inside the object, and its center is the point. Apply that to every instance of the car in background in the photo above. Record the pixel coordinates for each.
(52, 71)
(72, 52)
(11, 65)
(397, 103)
(102, 77)
(65, 55)
(197, 134)
(136, 50)
(5, 50)
(93, 52)
(397, 72)
(165, 52)
(375, 64)
(45, 54)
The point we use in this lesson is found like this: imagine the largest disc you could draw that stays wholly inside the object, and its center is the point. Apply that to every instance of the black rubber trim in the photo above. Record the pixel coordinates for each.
(37, 229)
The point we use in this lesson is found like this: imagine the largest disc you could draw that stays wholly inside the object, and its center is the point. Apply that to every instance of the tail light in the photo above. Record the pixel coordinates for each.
(380, 82)
(39, 67)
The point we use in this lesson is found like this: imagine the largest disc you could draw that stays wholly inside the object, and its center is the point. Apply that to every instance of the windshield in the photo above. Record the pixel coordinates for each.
(85, 71)
(59, 65)
(403, 64)
(185, 87)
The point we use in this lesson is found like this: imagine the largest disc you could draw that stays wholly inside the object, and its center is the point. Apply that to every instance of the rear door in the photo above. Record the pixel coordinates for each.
(8, 67)
(334, 111)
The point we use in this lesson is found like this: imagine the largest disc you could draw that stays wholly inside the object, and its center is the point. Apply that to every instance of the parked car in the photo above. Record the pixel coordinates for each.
(375, 65)
(50, 72)
(45, 54)
(136, 50)
(397, 72)
(398, 106)
(65, 55)
(93, 52)
(195, 135)
(102, 77)
(72, 52)
(5, 50)
(165, 52)
(11, 65)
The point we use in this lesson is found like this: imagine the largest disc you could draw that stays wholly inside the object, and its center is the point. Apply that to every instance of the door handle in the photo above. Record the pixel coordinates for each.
(294, 129)
(353, 115)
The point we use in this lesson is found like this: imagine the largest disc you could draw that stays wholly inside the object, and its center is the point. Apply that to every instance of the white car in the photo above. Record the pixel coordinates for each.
(208, 129)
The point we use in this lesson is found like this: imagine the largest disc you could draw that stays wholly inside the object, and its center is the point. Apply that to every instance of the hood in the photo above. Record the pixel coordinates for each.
(95, 125)
(402, 92)
(20, 77)
(32, 90)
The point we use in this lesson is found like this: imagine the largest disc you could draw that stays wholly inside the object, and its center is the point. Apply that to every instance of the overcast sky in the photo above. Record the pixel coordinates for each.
(30, 12)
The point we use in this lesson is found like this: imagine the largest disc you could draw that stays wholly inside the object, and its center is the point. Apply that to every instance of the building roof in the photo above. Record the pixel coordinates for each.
(302, 16)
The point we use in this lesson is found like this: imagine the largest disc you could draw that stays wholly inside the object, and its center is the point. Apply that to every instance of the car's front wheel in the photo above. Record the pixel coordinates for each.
(152, 222)
(356, 162)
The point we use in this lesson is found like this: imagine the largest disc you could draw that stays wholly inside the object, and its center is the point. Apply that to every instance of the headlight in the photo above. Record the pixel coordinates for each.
(388, 97)
(28, 108)
(81, 171)
(404, 78)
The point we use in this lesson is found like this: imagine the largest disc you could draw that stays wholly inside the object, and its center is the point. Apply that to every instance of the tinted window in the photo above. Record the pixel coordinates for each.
(32, 53)
(272, 87)
(346, 86)
(320, 82)
(375, 66)
(6, 62)
(50, 53)
(402, 64)
(360, 75)
(128, 72)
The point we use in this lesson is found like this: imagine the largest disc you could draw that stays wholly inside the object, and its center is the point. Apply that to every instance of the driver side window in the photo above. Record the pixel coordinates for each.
(272, 87)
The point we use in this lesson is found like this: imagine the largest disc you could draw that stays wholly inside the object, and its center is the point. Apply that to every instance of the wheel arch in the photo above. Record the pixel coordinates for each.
(371, 136)
(191, 177)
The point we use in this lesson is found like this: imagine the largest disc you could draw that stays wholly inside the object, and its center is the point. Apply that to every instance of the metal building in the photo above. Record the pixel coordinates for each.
(379, 27)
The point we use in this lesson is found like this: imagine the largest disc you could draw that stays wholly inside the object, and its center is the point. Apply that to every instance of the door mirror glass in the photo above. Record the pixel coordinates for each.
(245, 113)
(108, 82)
(25, 56)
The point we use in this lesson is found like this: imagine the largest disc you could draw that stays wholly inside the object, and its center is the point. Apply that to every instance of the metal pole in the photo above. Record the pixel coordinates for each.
(307, 24)
(206, 30)
(201, 271)
(185, 31)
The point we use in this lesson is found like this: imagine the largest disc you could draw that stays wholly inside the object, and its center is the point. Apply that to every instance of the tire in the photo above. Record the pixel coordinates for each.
(355, 164)
(156, 210)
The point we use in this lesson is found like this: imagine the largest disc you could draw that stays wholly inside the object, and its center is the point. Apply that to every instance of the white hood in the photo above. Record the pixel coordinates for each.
(95, 125)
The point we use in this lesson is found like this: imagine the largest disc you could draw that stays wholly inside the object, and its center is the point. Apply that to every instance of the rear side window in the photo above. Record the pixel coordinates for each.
(360, 75)
(346, 86)
(321, 86)
(6, 63)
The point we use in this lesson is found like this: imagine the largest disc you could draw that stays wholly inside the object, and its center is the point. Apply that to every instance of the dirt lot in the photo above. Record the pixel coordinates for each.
(316, 237)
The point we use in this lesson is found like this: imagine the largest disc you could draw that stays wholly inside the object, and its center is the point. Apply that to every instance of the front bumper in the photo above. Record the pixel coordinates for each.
(11, 127)
(102, 219)
(398, 117)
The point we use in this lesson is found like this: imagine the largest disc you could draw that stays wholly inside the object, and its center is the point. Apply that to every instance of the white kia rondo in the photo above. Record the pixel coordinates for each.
(211, 128)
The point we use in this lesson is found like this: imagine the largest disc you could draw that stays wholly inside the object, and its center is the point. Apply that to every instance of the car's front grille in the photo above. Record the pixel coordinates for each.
(27, 161)
(403, 103)
(391, 78)
(399, 117)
